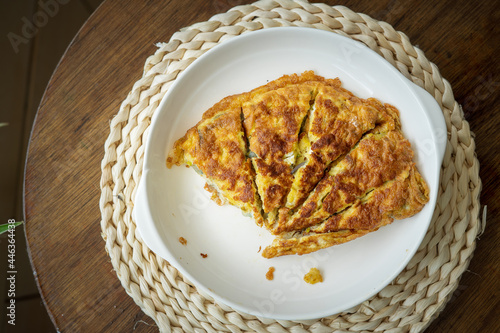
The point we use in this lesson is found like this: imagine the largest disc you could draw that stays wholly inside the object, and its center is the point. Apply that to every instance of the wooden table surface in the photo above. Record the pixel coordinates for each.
(75, 276)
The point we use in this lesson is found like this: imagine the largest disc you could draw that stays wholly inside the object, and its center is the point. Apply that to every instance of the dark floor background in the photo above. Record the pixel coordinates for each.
(34, 35)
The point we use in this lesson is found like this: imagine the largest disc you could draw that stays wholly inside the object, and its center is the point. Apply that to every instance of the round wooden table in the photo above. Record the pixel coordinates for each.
(80, 289)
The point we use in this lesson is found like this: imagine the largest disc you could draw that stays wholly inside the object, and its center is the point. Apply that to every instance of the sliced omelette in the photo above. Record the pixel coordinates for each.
(397, 199)
(272, 122)
(308, 160)
(216, 149)
(377, 158)
(244, 145)
(336, 122)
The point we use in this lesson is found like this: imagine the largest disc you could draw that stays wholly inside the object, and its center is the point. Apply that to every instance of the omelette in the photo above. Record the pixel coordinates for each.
(336, 122)
(396, 199)
(216, 149)
(377, 158)
(308, 160)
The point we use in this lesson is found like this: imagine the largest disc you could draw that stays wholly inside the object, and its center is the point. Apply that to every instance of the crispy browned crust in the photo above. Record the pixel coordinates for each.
(376, 159)
(273, 117)
(397, 199)
(272, 123)
(307, 159)
(336, 123)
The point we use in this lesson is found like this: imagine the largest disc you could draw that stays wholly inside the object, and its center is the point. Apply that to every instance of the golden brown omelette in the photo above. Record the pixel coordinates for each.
(308, 160)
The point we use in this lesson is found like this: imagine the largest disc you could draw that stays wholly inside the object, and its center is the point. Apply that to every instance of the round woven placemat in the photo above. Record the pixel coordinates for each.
(408, 304)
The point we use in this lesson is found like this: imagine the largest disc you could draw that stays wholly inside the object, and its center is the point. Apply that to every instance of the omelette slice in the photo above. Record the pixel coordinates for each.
(216, 149)
(272, 122)
(274, 116)
(379, 157)
(336, 122)
(397, 199)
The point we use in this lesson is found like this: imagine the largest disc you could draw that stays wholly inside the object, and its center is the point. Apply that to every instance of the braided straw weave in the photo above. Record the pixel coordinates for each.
(408, 304)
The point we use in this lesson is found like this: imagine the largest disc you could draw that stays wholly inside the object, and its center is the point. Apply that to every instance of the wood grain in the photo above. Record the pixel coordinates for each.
(106, 57)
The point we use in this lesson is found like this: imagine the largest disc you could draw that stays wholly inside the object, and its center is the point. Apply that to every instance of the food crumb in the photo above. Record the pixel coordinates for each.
(270, 273)
(183, 241)
(314, 276)
(203, 255)
(260, 248)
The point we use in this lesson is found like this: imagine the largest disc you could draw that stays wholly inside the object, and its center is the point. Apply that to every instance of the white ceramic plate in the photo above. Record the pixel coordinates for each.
(171, 203)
